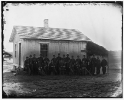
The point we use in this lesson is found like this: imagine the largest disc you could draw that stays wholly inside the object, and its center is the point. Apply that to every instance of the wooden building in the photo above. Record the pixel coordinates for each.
(46, 41)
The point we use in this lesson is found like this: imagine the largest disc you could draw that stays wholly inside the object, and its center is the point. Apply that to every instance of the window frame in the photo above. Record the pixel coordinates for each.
(44, 50)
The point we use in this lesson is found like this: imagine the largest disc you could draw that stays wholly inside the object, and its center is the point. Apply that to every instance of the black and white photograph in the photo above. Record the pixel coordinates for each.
(62, 50)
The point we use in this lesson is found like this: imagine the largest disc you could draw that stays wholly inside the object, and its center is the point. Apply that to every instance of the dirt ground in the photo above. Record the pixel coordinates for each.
(23, 85)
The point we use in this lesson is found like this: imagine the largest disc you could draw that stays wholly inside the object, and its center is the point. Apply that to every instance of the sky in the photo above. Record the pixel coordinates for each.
(102, 23)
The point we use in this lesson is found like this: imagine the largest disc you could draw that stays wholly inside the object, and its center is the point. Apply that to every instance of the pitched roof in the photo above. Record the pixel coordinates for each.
(48, 33)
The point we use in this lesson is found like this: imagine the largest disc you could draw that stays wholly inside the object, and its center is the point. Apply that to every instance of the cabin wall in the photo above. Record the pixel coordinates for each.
(66, 47)
(31, 47)
(15, 41)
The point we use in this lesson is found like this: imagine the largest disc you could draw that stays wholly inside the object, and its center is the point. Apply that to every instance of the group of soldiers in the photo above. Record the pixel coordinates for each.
(64, 65)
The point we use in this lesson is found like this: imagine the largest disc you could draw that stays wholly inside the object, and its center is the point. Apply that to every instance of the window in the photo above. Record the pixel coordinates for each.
(15, 50)
(44, 49)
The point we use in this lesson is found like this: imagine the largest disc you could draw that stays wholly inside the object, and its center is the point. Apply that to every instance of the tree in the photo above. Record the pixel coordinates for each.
(93, 48)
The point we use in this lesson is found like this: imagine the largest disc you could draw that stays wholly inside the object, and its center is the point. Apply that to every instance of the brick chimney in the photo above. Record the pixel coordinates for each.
(46, 23)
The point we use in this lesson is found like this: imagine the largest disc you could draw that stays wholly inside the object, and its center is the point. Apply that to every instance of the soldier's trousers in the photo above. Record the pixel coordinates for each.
(62, 70)
(98, 70)
(57, 69)
(34, 69)
(104, 69)
(93, 70)
(52, 70)
(75, 70)
(67, 70)
(30, 69)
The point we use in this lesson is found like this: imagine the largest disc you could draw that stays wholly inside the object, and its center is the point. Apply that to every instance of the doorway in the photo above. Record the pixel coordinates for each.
(19, 54)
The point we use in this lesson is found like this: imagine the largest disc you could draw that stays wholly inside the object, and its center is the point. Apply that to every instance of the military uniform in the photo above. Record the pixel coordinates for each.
(52, 68)
(46, 65)
(98, 66)
(26, 64)
(67, 60)
(77, 65)
(62, 65)
(88, 65)
(72, 64)
(52, 65)
(35, 68)
(30, 70)
(103, 64)
(84, 65)
(93, 65)
(58, 59)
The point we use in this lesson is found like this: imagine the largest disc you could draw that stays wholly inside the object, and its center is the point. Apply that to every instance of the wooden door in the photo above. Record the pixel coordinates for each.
(19, 54)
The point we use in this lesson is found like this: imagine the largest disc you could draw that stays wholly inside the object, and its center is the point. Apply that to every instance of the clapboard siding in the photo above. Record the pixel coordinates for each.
(30, 47)
(15, 59)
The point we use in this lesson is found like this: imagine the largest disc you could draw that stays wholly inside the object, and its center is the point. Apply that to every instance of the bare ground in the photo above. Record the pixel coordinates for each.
(23, 85)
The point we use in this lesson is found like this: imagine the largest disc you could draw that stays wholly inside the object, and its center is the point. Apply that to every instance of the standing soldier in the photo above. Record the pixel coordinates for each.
(78, 65)
(31, 71)
(34, 61)
(26, 63)
(67, 60)
(84, 64)
(93, 65)
(98, 66)
(52, 68)
(72, 64)
(62, 65)
(104, 64)
(84, 59)
(88, 65)
(46, 65)
(41, 64)
(58, 63)
(54, 59)
(52, 65)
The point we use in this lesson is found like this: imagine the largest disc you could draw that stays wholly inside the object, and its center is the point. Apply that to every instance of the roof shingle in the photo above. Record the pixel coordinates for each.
(49, 33)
